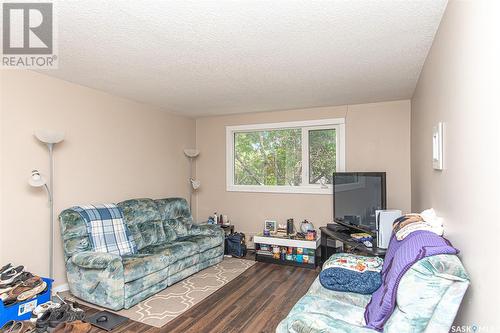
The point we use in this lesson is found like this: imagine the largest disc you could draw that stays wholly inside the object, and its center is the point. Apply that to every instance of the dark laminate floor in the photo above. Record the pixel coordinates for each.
(256, 301)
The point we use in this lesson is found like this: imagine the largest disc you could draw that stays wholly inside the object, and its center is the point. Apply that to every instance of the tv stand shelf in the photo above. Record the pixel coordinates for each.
(345, 238)
(309, 249)
(354, 228)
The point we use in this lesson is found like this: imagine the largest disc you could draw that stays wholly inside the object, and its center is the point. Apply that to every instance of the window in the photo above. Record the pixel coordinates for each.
(292, 157)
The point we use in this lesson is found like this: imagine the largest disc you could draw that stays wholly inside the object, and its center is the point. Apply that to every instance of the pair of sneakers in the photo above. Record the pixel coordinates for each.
(5, 288)
(14, 326)
(24, 291)
(8, 273)
(40, 309)
(54, 316)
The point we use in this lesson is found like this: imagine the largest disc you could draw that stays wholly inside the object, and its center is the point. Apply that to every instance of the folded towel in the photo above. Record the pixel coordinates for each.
(408, 229)
(425, 221)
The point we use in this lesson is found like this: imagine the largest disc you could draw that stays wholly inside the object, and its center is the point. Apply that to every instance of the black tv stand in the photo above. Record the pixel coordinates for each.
(354, 228)
(348, 244)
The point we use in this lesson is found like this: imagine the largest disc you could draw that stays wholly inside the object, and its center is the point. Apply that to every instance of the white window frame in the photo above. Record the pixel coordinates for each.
(335, 123)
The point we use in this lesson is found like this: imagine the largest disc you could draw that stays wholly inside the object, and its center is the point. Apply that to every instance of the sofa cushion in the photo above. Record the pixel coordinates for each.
(139, 265)
(329, 309)
(423, 288)
(319, 323)
(206, 229)
(180, 228)
(355, 299)
(176, 214)
(144, 222)
(173, 208)
(204, 242)
(177, 250)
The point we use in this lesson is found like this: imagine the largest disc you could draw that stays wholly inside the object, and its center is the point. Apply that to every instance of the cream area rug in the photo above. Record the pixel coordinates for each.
(173, 301)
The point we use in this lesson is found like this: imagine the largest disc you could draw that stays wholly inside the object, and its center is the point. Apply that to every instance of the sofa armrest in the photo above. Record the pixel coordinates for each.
(95, 260)
(97, 278)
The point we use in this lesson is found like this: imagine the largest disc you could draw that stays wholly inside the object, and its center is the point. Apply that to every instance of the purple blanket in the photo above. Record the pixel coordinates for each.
(400, 256)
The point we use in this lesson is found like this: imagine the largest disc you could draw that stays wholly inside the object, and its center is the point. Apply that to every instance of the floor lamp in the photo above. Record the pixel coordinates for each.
(194, 184)
(50, 138)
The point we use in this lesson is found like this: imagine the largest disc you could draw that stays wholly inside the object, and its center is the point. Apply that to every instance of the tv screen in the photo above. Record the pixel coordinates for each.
(356, 197)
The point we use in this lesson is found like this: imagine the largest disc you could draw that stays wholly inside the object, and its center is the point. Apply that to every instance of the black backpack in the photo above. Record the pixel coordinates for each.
(235, 245)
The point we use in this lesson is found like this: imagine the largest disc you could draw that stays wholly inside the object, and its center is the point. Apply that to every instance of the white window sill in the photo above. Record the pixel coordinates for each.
(280, 189)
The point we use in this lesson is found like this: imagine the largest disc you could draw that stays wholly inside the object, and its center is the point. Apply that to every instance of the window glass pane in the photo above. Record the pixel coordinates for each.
(270, 157)
(322, 155)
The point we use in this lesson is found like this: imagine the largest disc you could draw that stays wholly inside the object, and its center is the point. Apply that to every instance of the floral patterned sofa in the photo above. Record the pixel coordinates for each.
(427, 300)
(170, 248)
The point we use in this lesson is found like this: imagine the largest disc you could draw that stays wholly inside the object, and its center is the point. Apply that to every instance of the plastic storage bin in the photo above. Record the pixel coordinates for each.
(22, 311)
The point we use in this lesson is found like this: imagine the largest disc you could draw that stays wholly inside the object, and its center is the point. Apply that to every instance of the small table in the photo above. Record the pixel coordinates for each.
(346, 239)
(308, 246)
(228, 228)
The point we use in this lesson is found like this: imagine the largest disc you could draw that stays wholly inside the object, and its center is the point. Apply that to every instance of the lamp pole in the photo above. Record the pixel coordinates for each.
(191, 154)
(190, 183)
(49, 138)
(50, 146)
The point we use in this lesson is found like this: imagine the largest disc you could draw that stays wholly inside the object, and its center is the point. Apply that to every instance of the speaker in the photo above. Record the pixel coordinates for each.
(384, 220)
(289, 226)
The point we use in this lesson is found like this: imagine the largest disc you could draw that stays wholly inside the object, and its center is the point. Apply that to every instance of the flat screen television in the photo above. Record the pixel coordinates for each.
(356, 197)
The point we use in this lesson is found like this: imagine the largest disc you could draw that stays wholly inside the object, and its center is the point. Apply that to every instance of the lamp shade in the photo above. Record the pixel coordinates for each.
(195, 184)
(36, 179)
(49, 136)
(191, 153)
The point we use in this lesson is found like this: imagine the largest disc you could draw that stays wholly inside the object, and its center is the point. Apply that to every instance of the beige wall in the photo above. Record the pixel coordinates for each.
(114, 149)
(459, 86)
(377, 139)
(2, 261)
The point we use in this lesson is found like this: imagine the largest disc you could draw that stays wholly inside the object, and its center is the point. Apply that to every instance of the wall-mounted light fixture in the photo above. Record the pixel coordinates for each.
(437, 147)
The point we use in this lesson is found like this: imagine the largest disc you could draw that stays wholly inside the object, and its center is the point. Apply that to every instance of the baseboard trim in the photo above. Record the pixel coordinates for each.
(61, 288)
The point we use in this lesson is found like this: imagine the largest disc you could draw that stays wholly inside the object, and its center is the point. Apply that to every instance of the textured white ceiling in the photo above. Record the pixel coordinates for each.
(217, 57)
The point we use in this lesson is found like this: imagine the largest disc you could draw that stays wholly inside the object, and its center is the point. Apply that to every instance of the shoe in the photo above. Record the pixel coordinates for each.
(22, 288)
(76, 326)
(5, 268)
(32, 292)
(7, 326)
(62, 328)
(5, 289)
(40, 309)
(79, 326)
(59, 316)
(20, 278)
(11, 326)
(22, 327)
(42, 323)
(66, 313)
(10, 274)
(51, 318)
